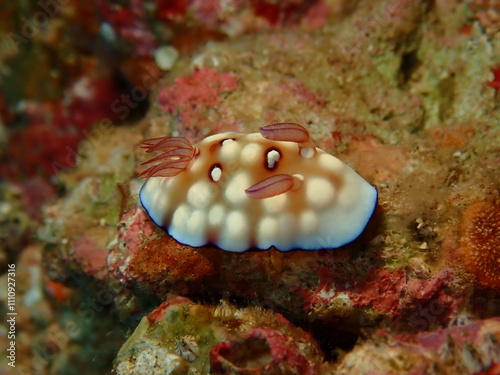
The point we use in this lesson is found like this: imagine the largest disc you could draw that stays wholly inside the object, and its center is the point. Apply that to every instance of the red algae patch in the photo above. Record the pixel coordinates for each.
(190, 96)
(189, 338)
(263, 350)
(479, 246)
(381, 290)
(162, 261)
(91, 255)
(159, 312)
(496, 81)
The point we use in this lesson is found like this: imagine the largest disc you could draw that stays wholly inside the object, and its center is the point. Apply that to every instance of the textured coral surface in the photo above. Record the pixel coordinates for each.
(220, 339)
(406, 92)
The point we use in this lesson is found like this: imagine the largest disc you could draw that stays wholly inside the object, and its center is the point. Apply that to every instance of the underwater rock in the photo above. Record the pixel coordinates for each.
(472, 348)
(262, 350)
(180, 337)
(192, 96)
(307, 285)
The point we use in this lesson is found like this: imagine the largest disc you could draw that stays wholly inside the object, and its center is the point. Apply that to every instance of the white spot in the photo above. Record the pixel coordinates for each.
(189, 226)
(346, 217)
(201, 194)
(320, 192)
(350, 194)
(196, 227)
(235, 189)
(234, 233)
(83, 89)
(298, 180)
(273, 157)
(216, 215)
(226, 141)
(328, 293)
(274, 204)
(180, 217)
(155, 198)
(331, 163)
(229, 152)
(308, 222)
(216, 173)
(165, 57)
(285, 235)
(108, 32)
(267, 232)
(34, 293)
(251, 153)
(307, 152)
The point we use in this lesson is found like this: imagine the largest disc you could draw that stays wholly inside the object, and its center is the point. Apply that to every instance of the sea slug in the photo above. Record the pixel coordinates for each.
(253, 191)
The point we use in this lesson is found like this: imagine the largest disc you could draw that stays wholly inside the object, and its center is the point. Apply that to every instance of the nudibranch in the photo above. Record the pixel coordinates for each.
(253, 191)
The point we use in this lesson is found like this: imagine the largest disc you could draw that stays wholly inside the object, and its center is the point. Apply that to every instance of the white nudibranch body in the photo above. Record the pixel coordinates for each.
(242, 191)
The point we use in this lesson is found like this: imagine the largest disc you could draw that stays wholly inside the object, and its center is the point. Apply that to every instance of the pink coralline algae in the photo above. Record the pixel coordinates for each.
(471, 348)
(419, 303)
(420, 128)
(496, 80)
(263, 350)
(162, 265)
(130, 24)
(382, 290)
(158, 313)
(290, 12)
(171, 9)
(473, 332)
(303, 93)
(209, 13)
(91, 256)
(50, 141)
(187, 337)
(34, 192)
(133, 227)
(214, 13)
(141, 257)
(190, 96)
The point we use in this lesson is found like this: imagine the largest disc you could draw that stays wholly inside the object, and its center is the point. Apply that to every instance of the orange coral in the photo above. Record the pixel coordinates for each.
(480, 244)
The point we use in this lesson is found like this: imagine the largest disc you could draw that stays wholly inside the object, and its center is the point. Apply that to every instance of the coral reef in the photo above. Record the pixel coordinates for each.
(480, 244)
(190, 97)
(405, 92)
